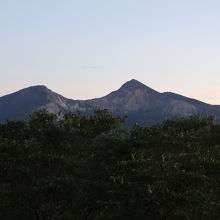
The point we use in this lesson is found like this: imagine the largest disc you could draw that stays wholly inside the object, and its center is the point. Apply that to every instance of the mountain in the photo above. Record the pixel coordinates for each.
(140, 103)
(18, 105)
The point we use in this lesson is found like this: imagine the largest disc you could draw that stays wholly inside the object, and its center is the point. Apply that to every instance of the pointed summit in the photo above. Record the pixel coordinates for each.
(134, 85)
(139, 102)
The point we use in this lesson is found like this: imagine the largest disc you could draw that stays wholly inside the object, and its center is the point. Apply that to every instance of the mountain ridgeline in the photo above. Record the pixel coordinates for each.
(137, 101)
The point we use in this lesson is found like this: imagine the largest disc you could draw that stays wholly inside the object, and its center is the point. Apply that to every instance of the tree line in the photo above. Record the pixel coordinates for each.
(81, 167)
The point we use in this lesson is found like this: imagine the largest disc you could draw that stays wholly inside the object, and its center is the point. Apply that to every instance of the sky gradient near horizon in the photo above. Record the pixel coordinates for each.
(85, 49)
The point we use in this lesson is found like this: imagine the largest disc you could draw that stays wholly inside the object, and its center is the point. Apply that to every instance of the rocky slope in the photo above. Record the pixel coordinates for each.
(140, 103)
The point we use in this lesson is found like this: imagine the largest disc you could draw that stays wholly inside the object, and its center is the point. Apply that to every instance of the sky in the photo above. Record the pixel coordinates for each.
(85, 49)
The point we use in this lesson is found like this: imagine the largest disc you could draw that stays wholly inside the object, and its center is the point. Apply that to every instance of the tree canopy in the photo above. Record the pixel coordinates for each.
(90, 167)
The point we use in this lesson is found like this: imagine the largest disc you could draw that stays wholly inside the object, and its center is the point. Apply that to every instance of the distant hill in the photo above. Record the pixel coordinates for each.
(140, 103)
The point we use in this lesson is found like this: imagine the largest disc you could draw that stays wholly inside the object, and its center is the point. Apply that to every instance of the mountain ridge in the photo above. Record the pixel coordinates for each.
(139, 102)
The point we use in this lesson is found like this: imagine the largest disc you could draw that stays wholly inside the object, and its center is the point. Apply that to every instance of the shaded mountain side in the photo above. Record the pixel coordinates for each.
(140, 103)
(19, 104)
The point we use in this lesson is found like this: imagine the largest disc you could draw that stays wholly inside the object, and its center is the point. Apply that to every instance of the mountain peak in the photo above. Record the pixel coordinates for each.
(139, 102)
(135, 84)
(38, 87)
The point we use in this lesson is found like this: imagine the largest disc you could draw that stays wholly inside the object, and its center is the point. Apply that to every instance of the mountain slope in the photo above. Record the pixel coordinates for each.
(140, 103)
(18, 105)
(146, 106)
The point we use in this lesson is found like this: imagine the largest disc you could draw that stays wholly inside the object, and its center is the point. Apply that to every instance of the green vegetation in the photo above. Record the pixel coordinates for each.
(89, 167)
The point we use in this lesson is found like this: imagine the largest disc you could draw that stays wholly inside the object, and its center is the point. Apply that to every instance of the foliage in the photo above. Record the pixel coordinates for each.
(89, 167)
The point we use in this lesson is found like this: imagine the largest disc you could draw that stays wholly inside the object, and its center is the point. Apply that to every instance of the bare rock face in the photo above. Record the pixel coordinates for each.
(140, 103)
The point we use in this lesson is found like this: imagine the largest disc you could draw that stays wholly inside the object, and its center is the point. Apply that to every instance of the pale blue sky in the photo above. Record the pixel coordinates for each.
(87, 48)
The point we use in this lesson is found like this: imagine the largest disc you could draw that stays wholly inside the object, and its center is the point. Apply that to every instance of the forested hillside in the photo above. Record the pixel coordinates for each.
(89, 167)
